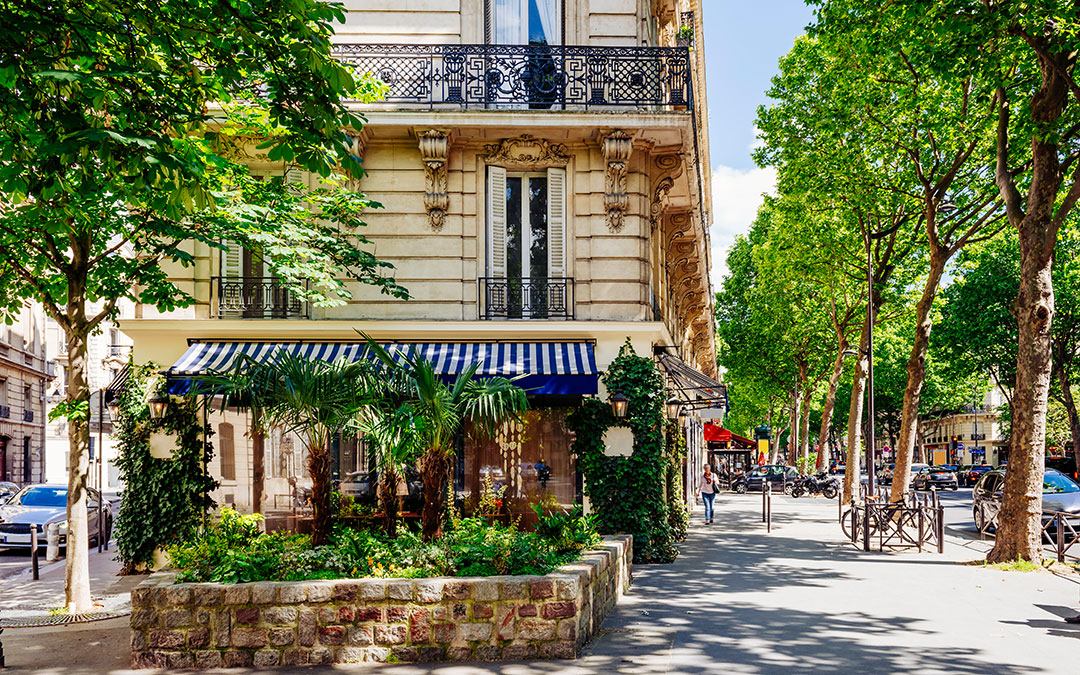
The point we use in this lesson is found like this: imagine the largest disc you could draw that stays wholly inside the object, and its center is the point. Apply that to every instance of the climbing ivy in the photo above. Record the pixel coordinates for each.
(164, 500)
(678, 515)
(627, 493)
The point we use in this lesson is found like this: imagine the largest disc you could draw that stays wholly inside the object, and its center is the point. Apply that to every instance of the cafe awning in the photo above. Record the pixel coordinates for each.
(566, 368)
(695, 388)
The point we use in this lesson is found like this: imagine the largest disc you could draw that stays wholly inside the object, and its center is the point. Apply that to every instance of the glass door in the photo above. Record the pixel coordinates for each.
(532, 78)
(526, 244)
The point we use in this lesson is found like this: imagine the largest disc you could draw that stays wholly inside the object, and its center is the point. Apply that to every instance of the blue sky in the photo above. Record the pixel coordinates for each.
(744, 41)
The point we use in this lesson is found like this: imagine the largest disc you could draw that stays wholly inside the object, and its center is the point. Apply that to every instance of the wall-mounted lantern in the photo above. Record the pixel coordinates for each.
(619, 404)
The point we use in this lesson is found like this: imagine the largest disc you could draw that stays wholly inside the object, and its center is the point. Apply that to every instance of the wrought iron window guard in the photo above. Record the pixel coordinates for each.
(5, 412)
(529, 298)
(529, 76)
(258, 298)
(28, 415)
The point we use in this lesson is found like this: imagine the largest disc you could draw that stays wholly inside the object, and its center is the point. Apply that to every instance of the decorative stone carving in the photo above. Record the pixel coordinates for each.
(669, 167)
(525, 152)
(616, 148)
(434, 151)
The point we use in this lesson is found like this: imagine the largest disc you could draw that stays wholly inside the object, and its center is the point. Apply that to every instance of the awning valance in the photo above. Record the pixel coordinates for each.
(541, 367)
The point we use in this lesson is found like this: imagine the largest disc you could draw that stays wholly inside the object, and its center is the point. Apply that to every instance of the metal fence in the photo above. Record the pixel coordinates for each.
(916, 521)
(529, 76)
(533, 298)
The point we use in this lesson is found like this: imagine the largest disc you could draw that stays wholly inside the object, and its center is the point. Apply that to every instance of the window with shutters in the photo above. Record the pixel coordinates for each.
(247, 288)
(227, 451)
(527, 245)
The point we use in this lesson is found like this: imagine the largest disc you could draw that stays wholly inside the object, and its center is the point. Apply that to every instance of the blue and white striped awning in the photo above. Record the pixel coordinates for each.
(542, 367)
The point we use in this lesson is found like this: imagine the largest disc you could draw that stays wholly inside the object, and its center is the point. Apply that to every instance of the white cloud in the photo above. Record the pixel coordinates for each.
(736, 196)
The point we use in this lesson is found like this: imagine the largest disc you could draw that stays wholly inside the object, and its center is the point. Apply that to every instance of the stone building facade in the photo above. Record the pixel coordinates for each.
(24, 370)
(543, 167)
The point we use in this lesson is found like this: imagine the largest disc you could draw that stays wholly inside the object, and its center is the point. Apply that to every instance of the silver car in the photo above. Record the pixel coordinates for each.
(7, 490)
(37, 507)
(1060, 494)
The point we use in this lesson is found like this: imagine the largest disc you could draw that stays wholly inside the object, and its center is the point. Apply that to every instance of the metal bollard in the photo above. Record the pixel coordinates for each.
(1, 649)
(34, 552)
(52, 542)
(764, 483)
(768, 511)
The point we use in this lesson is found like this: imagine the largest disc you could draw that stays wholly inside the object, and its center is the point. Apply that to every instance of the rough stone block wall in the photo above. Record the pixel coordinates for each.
(265, 624)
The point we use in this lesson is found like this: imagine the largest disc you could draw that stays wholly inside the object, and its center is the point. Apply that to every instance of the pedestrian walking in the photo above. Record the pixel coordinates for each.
(708, 487)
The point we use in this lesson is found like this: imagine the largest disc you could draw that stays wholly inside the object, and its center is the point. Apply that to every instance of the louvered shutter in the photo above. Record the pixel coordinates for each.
(556, 218)
(296, 176)
(232, 260)
(496, 210)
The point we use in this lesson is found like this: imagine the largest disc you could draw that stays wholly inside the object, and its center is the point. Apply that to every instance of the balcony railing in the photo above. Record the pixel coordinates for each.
(5, 412)
(257, 298)
(27, 415)
(535, 298)
(527, 76)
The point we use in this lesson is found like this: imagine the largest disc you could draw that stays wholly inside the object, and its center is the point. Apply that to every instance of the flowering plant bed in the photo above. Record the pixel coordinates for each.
(289, 623)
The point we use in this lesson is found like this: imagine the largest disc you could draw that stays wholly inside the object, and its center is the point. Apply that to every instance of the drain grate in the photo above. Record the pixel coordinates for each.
(58, 619)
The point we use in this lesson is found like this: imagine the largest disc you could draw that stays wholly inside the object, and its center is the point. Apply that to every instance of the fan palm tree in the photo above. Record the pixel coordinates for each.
(396, 435)
(445, 408)
(312, 398)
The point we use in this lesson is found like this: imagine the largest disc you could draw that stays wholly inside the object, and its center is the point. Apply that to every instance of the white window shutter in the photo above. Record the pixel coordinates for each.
(232, 260)
(556, 218)
(296, 176)
(496, 210)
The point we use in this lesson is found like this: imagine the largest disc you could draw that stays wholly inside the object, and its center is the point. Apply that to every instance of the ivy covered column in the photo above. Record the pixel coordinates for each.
(627, 493)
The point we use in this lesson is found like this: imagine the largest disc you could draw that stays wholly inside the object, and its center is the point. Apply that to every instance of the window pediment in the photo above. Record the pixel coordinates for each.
(526, 152)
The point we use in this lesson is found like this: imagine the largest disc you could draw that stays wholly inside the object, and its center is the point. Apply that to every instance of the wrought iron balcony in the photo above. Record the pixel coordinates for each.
(535, 298)
(527, 76)
(27, 415)
(5, 412)
(257, 298)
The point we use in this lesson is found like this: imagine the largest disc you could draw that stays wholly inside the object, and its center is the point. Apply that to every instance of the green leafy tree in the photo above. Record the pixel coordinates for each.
(395, 434)
(119, 131)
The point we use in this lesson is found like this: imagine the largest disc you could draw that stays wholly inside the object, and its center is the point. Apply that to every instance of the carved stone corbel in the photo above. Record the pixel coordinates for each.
(669, 167)
(434, 152)
(616, 148)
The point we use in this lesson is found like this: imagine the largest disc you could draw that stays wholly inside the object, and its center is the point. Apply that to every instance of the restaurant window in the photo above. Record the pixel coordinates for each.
(512, 456)
(227, 451)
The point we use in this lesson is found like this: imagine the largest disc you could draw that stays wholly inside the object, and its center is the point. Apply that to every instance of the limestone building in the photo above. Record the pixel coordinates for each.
(544, 171)
(23, 373)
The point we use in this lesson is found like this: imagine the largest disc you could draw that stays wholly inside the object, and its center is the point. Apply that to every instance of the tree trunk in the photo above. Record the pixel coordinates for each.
(258, 471)
(804, 427)
(793, 437)
(319, 468)
(77, 563)
(388, 481)
(1069, 403)
(855, 413)
(434, 471)
(916, 375)
(830, 402)
(1019, 533)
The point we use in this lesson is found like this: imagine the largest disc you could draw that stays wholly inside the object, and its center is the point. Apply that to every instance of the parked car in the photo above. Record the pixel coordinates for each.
(1060, 494)
(7, 490)
(969, 475)
(363, 487)
(838, 469)
(781, 478)
(940, 477)
(38, 506)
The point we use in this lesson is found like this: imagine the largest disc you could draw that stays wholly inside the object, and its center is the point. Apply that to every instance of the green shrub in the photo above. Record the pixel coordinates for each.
(232, 550)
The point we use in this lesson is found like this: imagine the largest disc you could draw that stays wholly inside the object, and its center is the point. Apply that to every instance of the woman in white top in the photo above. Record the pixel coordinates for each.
(708, 486)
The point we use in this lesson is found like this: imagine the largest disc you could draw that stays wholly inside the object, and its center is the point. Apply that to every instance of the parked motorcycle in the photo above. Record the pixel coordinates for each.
(822, 484)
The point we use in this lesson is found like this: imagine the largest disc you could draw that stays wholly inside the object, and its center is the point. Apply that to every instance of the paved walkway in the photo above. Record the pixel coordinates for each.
(738, 600)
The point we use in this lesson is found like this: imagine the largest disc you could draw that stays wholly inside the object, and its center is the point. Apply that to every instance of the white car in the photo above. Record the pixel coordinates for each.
(37, 507)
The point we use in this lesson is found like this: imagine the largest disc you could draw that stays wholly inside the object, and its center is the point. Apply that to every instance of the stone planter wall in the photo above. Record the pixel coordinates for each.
(267, 624)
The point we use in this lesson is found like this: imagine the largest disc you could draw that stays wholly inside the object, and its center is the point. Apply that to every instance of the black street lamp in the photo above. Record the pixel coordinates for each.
(158, 404)
(619, 403)
(674, 409)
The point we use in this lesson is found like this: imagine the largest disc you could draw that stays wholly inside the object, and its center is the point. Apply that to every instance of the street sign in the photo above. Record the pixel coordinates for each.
(959, 446)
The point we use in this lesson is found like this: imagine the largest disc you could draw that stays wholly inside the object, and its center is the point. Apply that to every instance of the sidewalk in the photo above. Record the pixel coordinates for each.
(739, 600)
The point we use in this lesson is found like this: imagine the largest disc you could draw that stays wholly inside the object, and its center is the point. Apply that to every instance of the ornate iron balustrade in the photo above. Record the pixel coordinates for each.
(5, 412)
(535, 298)
(257, 298)
(527, 76)
(27, 415)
